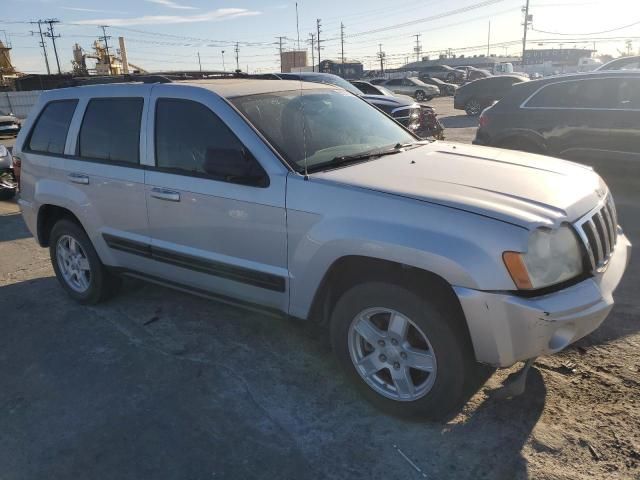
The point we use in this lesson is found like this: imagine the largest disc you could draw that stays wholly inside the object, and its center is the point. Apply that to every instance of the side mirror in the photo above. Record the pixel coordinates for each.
(233, 165)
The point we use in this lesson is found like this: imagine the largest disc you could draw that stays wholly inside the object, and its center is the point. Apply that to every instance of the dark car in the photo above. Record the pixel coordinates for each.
(479, 94)
(404, 110)
(446, 89)
(585, 117)
(474, 73)
(444, 72)
(624, 63)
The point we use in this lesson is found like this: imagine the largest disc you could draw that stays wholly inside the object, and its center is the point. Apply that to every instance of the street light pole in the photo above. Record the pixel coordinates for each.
(223, 69)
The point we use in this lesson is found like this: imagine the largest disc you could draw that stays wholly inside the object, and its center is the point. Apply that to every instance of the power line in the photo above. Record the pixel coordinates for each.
(42, 44)
(51, 34)
(589, 33)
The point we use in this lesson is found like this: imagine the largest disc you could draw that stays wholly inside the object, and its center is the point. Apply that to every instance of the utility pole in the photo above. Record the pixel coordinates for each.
(418, 47)
(237, 50)
(105, 38)
(489, 39)
(51, 34)
(318, 25)
(381, 55)
(280, 50)
(42, 44)
(199, 63)
(223, 69)
(313, 51)
(342, 42)
(527, 20)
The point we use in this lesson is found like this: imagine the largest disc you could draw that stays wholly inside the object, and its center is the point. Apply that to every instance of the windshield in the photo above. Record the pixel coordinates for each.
(385, 91)
(320, 125)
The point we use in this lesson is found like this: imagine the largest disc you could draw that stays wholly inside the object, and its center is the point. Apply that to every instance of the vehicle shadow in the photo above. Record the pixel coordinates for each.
(498, 429)
(12, 227)
(459, 121)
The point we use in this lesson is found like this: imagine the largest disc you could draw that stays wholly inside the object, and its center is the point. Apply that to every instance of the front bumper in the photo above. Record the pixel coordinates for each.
(507, 328)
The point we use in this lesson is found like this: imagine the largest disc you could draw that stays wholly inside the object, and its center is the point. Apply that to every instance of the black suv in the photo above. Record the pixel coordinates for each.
(588, 117)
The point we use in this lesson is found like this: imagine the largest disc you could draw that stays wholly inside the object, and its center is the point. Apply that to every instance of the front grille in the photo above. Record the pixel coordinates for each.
(597, 230)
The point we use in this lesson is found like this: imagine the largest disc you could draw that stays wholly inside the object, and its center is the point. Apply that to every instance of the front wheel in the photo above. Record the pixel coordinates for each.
(420, 96)
(404, 353)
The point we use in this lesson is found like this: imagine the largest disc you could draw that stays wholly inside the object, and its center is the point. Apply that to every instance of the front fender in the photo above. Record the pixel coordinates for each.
(464, 249)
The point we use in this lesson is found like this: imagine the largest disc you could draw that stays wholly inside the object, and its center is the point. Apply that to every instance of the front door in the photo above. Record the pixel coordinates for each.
(211, 231)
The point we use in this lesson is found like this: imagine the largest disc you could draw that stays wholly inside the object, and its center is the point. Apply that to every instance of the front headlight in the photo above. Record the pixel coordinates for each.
(552, 256)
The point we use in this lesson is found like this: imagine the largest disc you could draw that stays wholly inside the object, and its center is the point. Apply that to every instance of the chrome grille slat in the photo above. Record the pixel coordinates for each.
(598, 232)
(603, 234)
(599, 253)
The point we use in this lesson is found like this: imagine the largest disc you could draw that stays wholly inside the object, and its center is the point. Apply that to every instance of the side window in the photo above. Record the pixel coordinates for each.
(577, 94)
(191, 139)
(395, 82)
(50, 131)
(110, 130)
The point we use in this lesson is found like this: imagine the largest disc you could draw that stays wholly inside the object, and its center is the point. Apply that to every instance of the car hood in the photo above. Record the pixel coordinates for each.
(516, 187)
(393, 102)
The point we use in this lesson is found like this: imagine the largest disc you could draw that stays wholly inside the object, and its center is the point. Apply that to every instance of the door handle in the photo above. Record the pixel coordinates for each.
(165, 194)
(78, 178)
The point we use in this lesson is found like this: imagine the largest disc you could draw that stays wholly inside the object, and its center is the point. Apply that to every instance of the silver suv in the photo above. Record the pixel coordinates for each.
(423, 258)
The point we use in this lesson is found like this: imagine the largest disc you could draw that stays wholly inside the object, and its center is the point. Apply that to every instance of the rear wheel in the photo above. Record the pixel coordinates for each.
(419, 95)
(405, 354)
(473, 107)
(451, 78)
(77, 265)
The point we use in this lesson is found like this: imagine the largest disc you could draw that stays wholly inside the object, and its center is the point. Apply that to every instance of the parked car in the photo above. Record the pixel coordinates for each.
(623, 63)
(474, 73)
(378, 81)
(446, 89)
(582, 117)
(444, 72)
(479, 94)
(402, 108)
(8, 183)
(422, 258)
(413, 87)
(9, 124)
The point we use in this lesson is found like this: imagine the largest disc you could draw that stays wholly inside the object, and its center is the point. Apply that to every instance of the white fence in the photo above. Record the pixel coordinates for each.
(19, 103)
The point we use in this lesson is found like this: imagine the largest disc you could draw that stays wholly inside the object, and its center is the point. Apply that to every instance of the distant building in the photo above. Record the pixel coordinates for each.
(293, 60)
(549, 61)
(478, 61)
(348, 69)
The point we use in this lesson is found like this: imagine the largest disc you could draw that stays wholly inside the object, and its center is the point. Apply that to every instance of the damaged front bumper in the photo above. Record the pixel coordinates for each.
(507, 328)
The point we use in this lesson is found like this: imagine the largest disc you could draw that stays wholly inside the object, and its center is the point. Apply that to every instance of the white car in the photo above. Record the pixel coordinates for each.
(9, 125)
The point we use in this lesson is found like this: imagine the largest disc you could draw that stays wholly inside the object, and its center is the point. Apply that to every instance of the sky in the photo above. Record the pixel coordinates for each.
(168, 34)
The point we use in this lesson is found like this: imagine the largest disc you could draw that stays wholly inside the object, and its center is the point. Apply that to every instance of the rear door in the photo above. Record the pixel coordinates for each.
(103, 172)
(624, 112)
(208, 232)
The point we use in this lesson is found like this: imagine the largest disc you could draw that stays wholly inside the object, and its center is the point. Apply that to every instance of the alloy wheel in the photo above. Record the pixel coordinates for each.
(392, 354)
(73, 263)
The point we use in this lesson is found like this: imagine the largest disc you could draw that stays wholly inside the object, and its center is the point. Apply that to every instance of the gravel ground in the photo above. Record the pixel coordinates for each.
(158, 384)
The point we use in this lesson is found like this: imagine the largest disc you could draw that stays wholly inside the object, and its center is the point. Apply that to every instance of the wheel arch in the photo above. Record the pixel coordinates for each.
(48, 216)
(350, 270)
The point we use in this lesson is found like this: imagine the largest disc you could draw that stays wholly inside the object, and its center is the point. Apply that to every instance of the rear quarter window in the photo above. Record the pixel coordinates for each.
(49, 134)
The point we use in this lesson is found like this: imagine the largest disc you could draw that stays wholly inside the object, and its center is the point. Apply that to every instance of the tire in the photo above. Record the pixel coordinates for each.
(473, 107)
(420, 96)
(99, 282)
(435, 394)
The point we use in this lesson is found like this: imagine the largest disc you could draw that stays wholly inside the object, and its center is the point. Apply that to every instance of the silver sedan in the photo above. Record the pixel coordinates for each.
(413, 87)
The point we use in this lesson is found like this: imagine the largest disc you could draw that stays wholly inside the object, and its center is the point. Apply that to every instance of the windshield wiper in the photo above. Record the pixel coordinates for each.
(346, 159)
